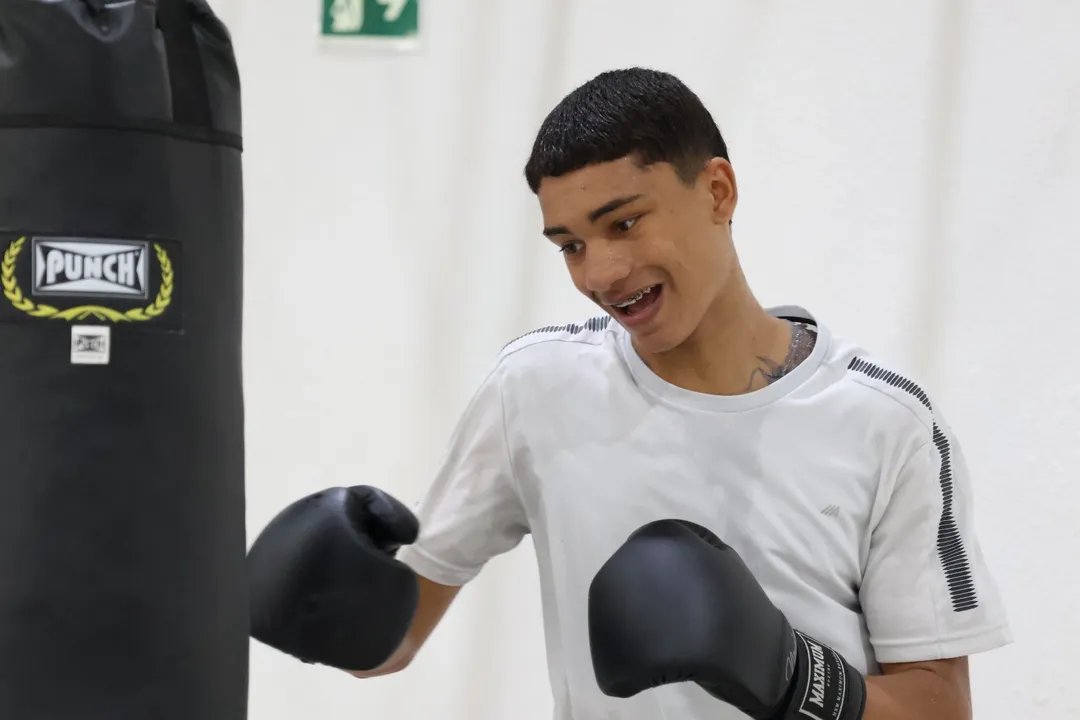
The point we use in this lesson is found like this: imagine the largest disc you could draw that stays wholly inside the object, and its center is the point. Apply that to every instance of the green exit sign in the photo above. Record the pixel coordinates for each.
(371, 19)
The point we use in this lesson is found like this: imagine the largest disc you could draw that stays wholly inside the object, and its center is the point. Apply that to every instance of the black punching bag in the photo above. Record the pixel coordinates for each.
(122, 538)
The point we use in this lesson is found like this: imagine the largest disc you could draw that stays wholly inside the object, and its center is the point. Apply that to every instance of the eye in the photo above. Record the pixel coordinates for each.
(625, 226)
(570, 248)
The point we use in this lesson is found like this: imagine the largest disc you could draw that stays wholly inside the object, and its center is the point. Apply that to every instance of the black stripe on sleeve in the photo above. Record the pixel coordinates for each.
(950, 544)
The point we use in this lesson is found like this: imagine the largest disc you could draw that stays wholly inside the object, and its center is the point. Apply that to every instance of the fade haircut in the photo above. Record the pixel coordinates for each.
(645, 114)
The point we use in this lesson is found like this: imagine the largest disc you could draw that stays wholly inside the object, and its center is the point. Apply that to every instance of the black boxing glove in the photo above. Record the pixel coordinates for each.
(675, 604)
(324, 584)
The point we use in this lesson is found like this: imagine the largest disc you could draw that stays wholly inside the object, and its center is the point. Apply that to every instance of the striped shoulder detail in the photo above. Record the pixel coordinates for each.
(889, 377)
(950, 544)
(581, 332)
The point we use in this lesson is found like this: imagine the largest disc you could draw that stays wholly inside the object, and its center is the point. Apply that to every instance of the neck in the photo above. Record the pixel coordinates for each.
(738, 347)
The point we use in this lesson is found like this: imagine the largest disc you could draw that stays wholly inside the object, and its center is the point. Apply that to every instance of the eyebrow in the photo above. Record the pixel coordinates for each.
(609, 206)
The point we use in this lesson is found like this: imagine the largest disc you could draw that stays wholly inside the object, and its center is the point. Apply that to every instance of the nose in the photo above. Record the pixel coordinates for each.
(605, 267)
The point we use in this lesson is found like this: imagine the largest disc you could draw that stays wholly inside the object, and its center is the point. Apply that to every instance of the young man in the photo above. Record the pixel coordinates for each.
(818, 558)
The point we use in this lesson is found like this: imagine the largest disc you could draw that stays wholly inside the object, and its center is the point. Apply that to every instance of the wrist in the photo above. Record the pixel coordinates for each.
(825, 686)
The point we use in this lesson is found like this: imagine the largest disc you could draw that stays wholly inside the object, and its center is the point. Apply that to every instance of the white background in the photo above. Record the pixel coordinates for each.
(909, 171)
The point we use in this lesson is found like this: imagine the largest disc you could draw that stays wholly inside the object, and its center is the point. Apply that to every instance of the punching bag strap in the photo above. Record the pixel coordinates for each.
(190, 97)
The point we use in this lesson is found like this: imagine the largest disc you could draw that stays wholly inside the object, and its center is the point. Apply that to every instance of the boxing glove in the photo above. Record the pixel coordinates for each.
(674, 604)
(324, 585)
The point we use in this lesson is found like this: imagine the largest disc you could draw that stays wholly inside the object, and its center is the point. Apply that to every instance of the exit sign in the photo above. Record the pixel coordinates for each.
(371, 19)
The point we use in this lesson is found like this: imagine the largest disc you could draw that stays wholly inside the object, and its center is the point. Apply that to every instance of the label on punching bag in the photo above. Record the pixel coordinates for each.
(113, 281)
(90, 344)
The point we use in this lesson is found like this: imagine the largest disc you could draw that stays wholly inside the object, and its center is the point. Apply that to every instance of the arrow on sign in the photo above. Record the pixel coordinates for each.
(393, 10)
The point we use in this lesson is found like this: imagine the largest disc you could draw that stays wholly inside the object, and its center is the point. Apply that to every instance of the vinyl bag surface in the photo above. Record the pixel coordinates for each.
(122, 538)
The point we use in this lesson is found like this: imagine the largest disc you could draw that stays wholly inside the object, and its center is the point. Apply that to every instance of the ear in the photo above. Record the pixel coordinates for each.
(719, 178)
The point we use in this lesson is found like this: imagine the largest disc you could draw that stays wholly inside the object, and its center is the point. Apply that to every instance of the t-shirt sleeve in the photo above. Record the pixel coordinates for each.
(472, 511)
(927, 593)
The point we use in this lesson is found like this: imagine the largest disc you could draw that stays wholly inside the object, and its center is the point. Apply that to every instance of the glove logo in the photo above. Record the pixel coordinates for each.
(789, 664)
(76, 270)
(825, 694)
(817, 679)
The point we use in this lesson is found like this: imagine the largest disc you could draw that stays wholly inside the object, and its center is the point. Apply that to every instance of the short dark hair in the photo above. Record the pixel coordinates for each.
(648, 114)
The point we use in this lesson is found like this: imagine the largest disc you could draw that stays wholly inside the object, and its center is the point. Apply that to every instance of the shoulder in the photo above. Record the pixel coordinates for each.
(560, 346)
(592, 331)
(894, 395)
(560, 360)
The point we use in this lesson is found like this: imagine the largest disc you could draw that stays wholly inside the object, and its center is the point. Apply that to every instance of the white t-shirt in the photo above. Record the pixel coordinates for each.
(840, 485)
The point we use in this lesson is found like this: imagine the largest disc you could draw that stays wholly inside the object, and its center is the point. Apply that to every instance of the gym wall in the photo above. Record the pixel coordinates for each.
(909, 171)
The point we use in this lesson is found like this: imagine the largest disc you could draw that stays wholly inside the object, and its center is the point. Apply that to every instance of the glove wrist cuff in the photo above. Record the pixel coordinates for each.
(826, 686)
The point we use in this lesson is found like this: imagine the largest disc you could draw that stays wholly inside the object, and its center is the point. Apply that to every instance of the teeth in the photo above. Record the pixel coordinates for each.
(636, 297)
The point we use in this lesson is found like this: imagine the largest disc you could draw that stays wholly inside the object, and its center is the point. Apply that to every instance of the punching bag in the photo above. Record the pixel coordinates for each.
(122, 538)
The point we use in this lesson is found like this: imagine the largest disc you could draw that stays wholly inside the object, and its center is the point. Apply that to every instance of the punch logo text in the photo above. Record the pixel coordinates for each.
(90, 343)
(86, 268)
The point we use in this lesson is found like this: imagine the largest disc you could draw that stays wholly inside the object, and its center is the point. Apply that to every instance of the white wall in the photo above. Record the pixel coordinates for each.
(910, 171)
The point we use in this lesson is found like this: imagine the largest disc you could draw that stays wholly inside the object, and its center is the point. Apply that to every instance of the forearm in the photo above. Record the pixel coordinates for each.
(915, 694)
(434, 601)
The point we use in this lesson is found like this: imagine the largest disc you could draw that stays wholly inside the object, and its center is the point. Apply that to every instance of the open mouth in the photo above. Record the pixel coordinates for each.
(640, 302)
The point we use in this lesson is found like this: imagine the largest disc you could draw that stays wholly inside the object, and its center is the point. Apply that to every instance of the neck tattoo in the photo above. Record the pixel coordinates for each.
(803, 339)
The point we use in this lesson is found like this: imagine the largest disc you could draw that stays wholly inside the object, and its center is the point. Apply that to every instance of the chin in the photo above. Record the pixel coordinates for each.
(656, 341)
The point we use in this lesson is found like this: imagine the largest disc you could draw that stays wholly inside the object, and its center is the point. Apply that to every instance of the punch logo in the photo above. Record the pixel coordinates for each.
(83, 267)
(77, 270)
(90, 344)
